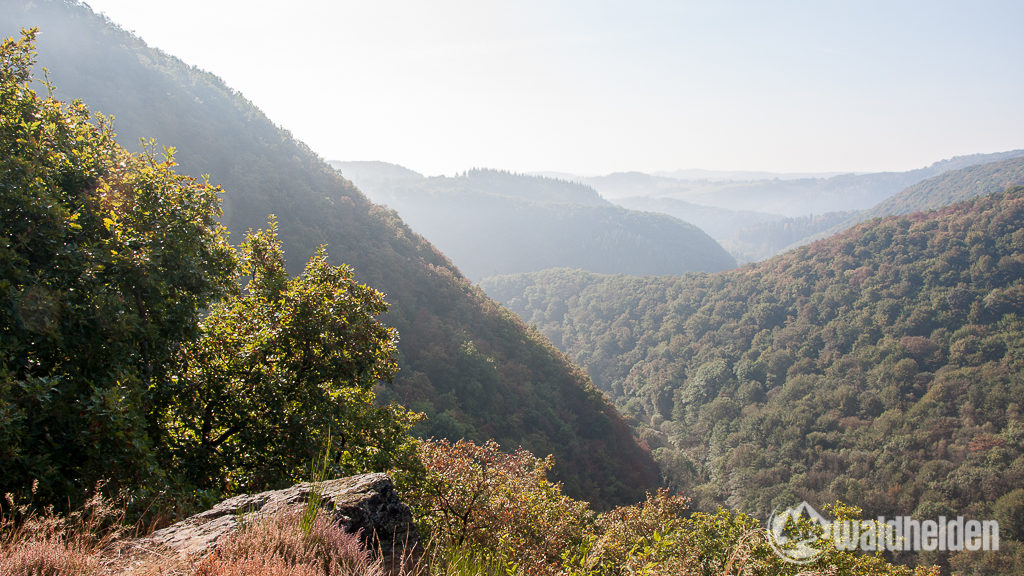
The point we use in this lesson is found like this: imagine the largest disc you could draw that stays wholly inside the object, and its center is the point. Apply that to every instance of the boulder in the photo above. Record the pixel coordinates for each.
(367, 503)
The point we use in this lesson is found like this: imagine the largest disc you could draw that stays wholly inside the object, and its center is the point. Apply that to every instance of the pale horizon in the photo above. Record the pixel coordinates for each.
(595, 88)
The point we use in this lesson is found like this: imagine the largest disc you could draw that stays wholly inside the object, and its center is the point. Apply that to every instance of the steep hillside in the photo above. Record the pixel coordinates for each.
(490, 222)
(883, 367)
(938, 191)
(470, 365)
(951, 187)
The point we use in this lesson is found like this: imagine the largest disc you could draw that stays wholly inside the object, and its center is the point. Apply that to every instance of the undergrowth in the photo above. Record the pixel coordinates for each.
(482, 513)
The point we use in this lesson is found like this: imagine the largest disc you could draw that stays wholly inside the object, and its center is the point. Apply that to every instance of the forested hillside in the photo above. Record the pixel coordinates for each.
(883, 367)
(950, 187)
(491, 222)
(472, 367)
(935, 192)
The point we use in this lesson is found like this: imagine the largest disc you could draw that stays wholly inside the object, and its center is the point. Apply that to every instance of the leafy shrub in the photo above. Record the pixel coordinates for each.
(279, 367)
(478, 497)
(106, 261)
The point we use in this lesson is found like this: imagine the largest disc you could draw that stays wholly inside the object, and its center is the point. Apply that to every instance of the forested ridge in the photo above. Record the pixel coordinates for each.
(145, 358)
(881, 367)
(149, 369)
(491, 222)
(469, 365)
(950, 187)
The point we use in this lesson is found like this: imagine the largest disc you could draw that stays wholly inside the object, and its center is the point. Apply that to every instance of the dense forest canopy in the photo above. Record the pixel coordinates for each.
(473, 368)
(881, 367)
(948, 188)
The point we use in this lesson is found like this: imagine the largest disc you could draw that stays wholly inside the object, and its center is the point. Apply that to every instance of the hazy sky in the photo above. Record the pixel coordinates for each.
(592, 87)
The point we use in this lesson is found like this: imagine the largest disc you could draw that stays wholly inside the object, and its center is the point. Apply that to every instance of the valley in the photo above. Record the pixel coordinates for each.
(593, 374)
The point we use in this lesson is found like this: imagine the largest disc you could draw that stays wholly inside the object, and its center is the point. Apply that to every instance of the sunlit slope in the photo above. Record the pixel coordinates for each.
(883, 366)
(471, 366)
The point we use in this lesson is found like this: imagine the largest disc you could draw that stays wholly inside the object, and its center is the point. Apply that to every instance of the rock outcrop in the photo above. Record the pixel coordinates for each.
(367, 504)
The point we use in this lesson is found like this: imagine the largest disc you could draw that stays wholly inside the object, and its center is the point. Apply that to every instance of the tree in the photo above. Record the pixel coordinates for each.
(131, 350)
(281, 366)
(106, 260)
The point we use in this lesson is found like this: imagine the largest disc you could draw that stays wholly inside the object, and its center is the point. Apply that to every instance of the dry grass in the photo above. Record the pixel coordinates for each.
(47, 543)
(91, 542)
(279, 545)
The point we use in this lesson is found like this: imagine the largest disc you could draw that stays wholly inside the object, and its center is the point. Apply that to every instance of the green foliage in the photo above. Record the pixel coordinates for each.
(881, 367)
(491, 512)
(477, 497)
(107, 372)
(106, 260)
(520, 391)
(277, 368)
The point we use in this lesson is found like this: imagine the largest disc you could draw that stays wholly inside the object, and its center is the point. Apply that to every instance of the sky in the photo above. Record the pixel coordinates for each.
(592, 86)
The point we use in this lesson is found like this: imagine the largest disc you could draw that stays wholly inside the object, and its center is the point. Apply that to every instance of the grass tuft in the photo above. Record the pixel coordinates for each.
(281, 544)
(47, 543)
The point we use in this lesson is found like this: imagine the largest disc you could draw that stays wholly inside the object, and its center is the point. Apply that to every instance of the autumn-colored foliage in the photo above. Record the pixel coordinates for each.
(882, 367)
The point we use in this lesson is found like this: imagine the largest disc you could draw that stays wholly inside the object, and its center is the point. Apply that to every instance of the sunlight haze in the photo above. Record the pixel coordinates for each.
(598, 87)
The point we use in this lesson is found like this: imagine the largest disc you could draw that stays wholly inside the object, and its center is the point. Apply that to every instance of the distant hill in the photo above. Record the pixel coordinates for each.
(938, 191)
(491, 222)
(741, 175)
(748, 236)
(391, 181)
(469, 364)
(720, 223)
(782, 195)
(757, 218)
(883, 367)
(952, 187)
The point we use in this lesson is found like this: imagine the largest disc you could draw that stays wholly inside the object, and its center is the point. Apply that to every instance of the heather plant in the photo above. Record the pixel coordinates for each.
(279, 544)
(47, 542)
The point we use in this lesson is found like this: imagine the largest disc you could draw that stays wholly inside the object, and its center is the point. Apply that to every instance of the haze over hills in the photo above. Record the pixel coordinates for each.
(935, 192)
(471, 366)
(740, 175)
(490, 222)
(882, 367)
(748, 236)
(783, 196)
(755, 216)
(950, 187)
